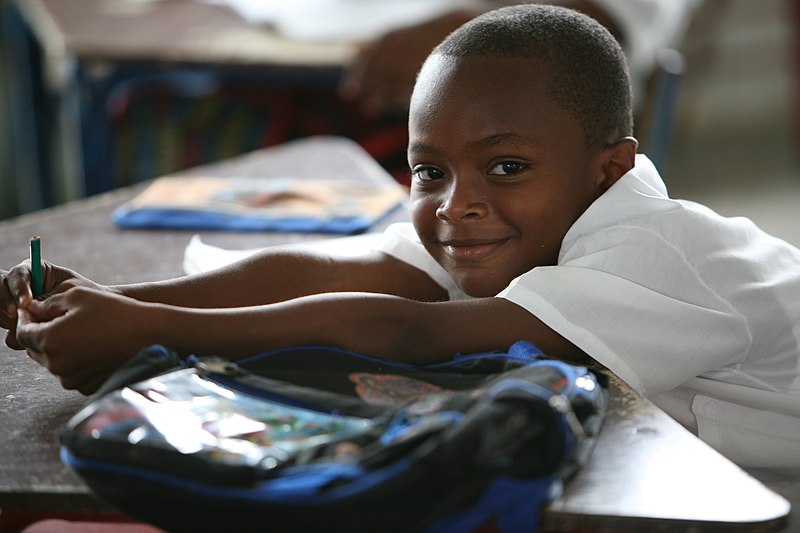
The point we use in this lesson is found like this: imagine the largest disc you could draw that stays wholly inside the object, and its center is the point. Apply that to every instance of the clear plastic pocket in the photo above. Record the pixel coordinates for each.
(187, 412)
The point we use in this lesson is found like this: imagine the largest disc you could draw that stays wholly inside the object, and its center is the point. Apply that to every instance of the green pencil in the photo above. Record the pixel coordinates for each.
(37, 280)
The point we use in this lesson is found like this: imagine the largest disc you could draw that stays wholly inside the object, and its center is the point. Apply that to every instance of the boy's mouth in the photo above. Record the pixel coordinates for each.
(472, 250)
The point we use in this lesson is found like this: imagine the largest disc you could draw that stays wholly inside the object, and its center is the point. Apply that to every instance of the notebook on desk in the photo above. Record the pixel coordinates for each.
(281, 204)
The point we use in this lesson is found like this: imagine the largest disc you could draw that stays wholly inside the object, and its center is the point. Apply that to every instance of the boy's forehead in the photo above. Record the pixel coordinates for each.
(503, 84)
(440, 64)
(488, 71)
(435, 71)
(484, 95)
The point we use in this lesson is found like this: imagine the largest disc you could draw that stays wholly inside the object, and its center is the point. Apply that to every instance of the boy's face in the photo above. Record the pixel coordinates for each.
(499, 171)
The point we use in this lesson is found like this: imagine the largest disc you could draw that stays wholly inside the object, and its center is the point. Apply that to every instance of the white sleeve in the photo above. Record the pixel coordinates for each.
(401, 242)
(638, 309)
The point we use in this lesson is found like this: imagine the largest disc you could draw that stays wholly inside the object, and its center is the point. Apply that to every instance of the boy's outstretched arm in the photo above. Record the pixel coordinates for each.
(283, 273)
(273, 275)
(374, 324)
(82, 335)
(276, 274)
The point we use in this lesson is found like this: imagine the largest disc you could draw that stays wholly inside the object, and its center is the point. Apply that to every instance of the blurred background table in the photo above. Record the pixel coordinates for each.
(75, 64)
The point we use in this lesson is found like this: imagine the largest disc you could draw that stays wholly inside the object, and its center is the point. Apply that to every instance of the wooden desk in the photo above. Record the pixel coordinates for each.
(646, 473)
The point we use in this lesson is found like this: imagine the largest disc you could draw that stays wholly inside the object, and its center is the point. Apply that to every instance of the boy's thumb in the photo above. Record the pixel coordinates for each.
(24, 318)
(44, 310)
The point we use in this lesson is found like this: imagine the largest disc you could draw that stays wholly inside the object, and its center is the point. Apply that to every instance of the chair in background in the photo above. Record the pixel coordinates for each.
(657, 119)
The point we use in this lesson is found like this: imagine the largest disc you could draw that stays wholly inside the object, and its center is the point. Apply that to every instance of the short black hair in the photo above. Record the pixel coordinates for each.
(589, 73)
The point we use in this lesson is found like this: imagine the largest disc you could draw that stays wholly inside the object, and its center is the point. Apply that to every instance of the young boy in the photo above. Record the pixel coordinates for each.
(533, 218)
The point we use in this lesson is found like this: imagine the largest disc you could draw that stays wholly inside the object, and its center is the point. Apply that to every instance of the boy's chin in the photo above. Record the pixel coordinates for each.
(480, 289)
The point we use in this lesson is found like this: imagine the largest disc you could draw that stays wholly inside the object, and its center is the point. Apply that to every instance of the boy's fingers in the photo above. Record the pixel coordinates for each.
(45, 310)
(18, 283)
(84, 381)
(36, 316)
(8, 305)
(8, 316)
(12, 342)
(26, 329)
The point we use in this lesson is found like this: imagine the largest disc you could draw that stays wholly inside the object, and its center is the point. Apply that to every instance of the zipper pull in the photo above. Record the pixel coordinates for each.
(562, 405)
(217, 366)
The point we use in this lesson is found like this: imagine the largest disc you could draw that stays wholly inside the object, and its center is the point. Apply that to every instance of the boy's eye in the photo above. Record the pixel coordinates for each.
(426, 173)
(507, 168)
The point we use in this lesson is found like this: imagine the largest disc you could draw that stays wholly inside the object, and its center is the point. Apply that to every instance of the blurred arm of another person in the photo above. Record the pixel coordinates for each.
(382, 75)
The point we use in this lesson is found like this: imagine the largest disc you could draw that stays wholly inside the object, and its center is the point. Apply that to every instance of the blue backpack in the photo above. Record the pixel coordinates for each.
(318, 439)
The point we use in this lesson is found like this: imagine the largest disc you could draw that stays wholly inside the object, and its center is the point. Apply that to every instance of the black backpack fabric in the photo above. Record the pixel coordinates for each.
(319, 439)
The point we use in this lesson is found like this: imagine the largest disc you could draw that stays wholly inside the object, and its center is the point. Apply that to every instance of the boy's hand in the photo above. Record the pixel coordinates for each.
(9, 303)
(16, 293)
(8, 311)
(81, 335)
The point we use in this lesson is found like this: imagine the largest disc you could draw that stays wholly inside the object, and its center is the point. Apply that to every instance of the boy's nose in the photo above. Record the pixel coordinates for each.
(465, 198)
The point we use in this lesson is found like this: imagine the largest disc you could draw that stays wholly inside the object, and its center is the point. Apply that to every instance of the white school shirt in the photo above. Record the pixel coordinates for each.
(698, 312)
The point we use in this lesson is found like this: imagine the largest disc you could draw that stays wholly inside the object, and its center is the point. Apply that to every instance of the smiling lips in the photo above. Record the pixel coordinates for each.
(472, 250)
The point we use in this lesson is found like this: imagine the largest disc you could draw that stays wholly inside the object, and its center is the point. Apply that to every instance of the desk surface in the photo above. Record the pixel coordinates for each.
(647, 473)
(184, 31)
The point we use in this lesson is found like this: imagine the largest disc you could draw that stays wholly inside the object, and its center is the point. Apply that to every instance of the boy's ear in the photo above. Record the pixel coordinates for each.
(616, 160)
